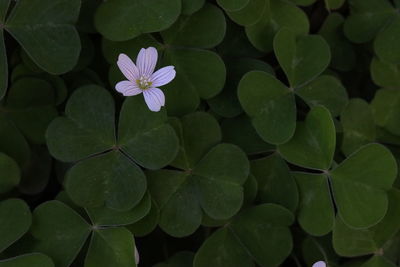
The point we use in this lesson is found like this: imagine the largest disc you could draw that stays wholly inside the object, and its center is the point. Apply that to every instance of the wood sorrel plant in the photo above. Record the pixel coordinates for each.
(268, 133)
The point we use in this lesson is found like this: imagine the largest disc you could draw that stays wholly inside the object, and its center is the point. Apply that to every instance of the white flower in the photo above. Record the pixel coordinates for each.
(142, 78)
(319, 264)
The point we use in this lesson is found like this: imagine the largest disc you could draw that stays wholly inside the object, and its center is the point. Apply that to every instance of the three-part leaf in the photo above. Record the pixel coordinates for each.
(244, 241)
(88, 130)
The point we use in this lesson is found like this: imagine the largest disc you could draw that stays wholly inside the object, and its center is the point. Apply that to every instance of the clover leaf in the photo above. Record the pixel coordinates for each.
(270, 104)
(31, 259)
(358, 125)
(61, 232)
(242, 242)
(378, 20)
(10, 171)
(350, 242)
(315, 199)
(88, 130)
(386, 109)
(122, 20)
(342, 51)
(180, 34)
(360, 198)
(313, 143)
(385, 74)
(249, 14)
(302, 58)
(46, 34)
(355, 185)
(274, 180)
(277, 14)
(367, 18)
(15, 221)
(215, 172)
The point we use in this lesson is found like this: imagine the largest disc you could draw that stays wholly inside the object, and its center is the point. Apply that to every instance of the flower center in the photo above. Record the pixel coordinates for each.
(143, 82)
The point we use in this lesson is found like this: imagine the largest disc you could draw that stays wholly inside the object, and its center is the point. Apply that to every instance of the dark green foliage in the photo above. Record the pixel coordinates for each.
(278, 144)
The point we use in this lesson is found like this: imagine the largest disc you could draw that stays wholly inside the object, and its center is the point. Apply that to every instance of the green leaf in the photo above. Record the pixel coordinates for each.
(360, 183)
(88, 127)
(44, 28)
(367, 18)
(278, 14)
(270, 104)
(301, 57)
(192, 149)
(58, 232)
(244, 239)
(316, 211)
(123, 20)
(275, 183)
(110, 179)
(316, 249)
(111, 247)
(250, 14)
(303, 2)
(334, 4)
(174, 193)
(145, 136)
(10, 173)
(385, 74)
(200, 74)
(222, 249)
(148, 223)
(358, 125)
(350, 242)
(313, 144)
(104, 216)
(386, 109)
(253, 225)
(112, 49)
(378, 261)
(326, 91)
(215, 184)
(386, 40)
(226, 103)
(12, 142)
(30, 104)
(240, 131)
(342, 51)
(15, 220)
(233, 5)
(250, 190)
(21, 94)
(236, 44)
(181, 33)
(31, 260)
(191, 6)
(4, 5)
(220, 176)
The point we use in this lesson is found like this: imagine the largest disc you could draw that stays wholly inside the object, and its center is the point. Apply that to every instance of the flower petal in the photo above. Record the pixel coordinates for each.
(154, 98)
(127, 88)
(163, 76)
(146, 61)
(319, 264)
(127, 67)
